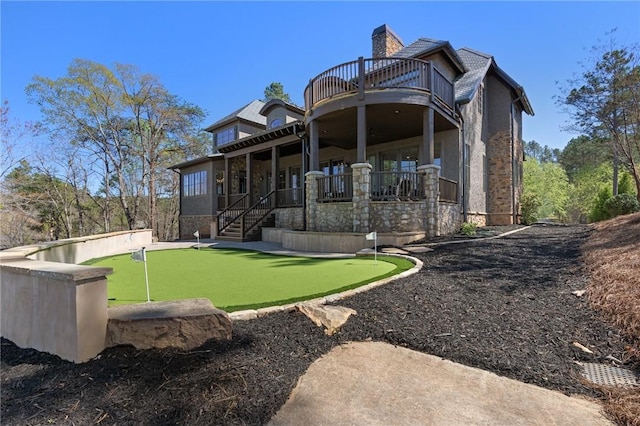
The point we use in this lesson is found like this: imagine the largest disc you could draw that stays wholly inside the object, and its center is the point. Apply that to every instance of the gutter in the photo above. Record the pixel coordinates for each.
(464, 179)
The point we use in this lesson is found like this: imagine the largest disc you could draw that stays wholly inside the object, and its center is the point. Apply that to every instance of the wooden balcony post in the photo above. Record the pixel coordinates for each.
(361, 72)
(361, 155)
(275, 177)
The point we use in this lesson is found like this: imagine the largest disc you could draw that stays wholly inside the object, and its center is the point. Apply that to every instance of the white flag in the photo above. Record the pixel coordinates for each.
(371, 235)
(196, 234)
(139, 256)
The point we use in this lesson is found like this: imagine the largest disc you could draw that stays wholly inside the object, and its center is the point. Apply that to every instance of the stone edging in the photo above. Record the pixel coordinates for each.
(250, 314)
(257, 313)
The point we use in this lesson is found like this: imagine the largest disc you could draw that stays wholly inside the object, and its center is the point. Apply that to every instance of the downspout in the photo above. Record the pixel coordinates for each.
(513, 161)
(464, 168)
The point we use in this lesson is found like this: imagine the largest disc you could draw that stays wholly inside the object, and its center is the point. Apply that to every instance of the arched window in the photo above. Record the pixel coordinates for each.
(276, 122)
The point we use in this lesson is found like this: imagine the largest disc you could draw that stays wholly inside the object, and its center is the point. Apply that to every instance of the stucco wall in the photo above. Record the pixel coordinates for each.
(475, 194)
(78, 250)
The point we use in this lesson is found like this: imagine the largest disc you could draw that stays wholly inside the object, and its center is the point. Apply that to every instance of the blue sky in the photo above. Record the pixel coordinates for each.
(221, 55)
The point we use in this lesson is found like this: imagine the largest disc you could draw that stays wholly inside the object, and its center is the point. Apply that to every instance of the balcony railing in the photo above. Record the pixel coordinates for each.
(290, 197)
(402, 186)
(363, 74)
(448, 190)
(335, 188)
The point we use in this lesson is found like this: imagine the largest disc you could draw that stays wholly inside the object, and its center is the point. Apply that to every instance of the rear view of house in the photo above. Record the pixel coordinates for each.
(408, 143)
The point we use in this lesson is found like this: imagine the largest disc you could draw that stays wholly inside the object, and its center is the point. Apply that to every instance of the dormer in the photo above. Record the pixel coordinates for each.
(278, 113)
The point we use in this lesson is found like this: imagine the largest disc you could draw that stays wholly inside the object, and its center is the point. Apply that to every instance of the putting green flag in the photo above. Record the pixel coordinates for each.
(139, 256)
(372, 236)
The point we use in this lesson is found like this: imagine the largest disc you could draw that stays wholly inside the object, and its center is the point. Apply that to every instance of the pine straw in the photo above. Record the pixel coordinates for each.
(612, 255)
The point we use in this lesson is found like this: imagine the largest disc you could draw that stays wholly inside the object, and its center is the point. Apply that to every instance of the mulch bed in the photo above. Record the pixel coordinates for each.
(504, 305)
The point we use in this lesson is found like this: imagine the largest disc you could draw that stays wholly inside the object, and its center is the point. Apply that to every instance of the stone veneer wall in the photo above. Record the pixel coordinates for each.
(479, 219)
(431, 186)
(191, 224)
(450, 218)
(500, 179)
(361, 196)
(334, 217)
(290, 218)
(398, 216)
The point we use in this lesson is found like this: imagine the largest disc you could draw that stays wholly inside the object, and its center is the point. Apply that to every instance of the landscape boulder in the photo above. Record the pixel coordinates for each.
(183, 324)
(331, 317)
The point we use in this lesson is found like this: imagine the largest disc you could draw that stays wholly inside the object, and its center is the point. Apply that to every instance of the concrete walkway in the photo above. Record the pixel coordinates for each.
(374, 383)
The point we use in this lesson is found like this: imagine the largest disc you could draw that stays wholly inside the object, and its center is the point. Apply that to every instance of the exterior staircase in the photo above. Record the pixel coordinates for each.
(238, 223)
(233, 232)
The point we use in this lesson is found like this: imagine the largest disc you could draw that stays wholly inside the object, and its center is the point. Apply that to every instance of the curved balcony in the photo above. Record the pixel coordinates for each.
(365, 75)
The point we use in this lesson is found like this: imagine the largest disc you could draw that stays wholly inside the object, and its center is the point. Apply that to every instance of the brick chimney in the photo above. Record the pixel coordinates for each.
(385, 42)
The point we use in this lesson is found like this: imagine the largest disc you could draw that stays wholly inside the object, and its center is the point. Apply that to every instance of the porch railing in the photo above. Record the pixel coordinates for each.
(448, 190)
(234, 211)
(387, 186)
(380, 73)
(290, 197)
(335, 188)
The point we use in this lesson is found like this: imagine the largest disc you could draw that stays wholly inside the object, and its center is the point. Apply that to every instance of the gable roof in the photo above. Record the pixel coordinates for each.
(424, 46)
(249, 112)
(478, 65)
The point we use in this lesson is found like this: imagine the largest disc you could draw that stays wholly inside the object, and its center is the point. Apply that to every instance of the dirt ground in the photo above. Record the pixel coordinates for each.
(504, 305)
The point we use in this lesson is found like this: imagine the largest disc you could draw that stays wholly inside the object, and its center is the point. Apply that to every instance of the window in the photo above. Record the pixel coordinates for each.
(480, 98)
(194, 184)
(275, 123)
(226, 136)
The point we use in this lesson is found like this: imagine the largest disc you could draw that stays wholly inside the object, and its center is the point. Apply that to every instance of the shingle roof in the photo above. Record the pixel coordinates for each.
(249, 112)
(478, 64)
(419, 46)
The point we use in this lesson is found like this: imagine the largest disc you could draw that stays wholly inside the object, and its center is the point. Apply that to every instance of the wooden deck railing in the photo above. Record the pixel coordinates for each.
(448, 190)
(335, 188)
(380, 73)
(290, 197)
(387, 186)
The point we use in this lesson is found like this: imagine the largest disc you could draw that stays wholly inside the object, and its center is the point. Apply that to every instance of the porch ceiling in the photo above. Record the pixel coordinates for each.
(385, 123)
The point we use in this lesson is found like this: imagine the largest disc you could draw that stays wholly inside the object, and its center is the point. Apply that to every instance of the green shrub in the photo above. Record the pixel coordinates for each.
(621, 204)
(529, 205)
(598, 212)
(468, 229)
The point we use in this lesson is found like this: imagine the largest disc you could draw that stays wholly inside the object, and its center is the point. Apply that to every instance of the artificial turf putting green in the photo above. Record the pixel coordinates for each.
(236, 279)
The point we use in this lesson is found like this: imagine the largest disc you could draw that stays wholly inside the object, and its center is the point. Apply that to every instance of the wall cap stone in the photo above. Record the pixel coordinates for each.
(362, 166)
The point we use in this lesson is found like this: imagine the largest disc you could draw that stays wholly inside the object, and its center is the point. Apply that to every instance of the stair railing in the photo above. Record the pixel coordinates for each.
(232, 213)
(257, 212)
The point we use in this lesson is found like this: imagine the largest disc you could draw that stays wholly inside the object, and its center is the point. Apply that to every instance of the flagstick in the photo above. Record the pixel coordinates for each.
(146, 274)
(198, 241)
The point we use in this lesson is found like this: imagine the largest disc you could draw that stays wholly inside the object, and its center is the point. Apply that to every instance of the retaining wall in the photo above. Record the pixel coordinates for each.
(50, 304)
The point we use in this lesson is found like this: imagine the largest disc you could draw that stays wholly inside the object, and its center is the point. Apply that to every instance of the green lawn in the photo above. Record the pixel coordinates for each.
(236, 279)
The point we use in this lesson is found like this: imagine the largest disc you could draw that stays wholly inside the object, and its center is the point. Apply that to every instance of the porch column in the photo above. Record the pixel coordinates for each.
(226, 182)
(361, 155)
(430, 181)
(249, 177)
(361, 196)
(427, 147)
(311, 198)
(274, 168)
(314, 141)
